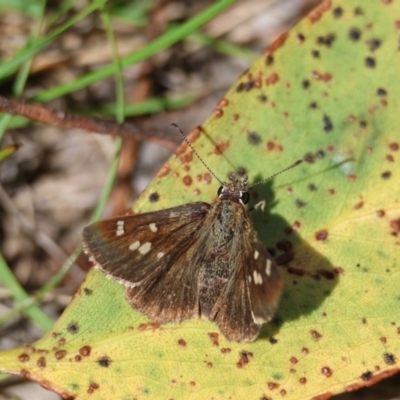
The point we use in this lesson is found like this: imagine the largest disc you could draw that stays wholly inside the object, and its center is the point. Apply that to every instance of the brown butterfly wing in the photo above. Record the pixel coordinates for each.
(252, 292)
(150, 254)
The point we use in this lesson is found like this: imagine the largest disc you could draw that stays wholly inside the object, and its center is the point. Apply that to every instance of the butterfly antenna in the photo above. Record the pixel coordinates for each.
(295, 164)
(197, 154)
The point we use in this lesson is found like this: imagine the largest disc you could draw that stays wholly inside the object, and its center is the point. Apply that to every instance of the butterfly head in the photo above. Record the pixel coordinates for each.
(236, 188)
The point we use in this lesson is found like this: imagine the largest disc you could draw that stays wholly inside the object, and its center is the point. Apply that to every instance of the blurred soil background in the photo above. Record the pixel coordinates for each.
(50, 186)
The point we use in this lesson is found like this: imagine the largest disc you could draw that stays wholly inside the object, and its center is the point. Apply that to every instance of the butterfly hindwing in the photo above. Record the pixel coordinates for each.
(252, 292)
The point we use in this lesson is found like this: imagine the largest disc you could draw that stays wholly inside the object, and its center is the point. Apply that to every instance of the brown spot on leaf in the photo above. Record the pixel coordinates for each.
(370, 62)
(277, 43)
(223, 102)
(24, 374)
(324, 396)
(327, 124)
(380, 213)
(320, 9)
(245, 357)
(214, 338)
(154, 197)
(218, 113)
(182, 343)
(269, 60)
(235, 116)
(104, 362)
(300, 203)
(30, 349)
(272, 385)
(315, 334)
(220, 148)
(373, 44)
(187, 180)
(366, 376)
(359, 205)
(60, 354)
(41, 362)
(303, 380)
(389, 158)
(325, 77)
(78, 358)
(272, 340)
(254, 138)
(304, 350)
(321, 235)
(337, 12)
(386, 175)
(85, 351)
(163, 171)
(394, 146)
(395, 225)
(23, 357)
(225, 350)
(92, 387)
(352, 177)
(61, 342)
(262, 97)
(87, 291)
(150, 326)
(389, 359)
(272, 79)
(355, 34)
(300, 38)
(186, 158)
(326, 371)
(326, 40)
(294, 360)
(326, 274)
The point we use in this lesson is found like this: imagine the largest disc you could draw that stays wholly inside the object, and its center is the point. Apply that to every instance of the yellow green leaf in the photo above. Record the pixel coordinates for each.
(327, 91)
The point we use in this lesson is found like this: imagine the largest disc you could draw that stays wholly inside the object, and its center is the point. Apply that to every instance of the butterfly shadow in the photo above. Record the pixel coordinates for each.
(308, 276)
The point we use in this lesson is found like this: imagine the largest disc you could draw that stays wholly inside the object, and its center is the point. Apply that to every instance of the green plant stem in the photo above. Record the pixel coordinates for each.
(168, 39)
(19, 294)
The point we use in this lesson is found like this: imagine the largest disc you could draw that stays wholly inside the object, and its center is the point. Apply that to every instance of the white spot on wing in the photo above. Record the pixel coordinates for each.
(249, 278)
(256, 254)
(153, 227)
(120, 228)
(257, 278)
(145, 248)
(134, 246)
(268, 268)
(160, 254)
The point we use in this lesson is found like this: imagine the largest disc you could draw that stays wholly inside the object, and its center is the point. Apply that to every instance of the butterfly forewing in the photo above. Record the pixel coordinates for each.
(133, 248)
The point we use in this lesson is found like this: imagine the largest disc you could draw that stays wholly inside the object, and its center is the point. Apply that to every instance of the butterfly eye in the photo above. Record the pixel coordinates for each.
(220, 190)
(244, 197)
